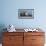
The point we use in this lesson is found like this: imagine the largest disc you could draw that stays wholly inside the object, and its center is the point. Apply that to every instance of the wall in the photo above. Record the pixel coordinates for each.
(9, 13)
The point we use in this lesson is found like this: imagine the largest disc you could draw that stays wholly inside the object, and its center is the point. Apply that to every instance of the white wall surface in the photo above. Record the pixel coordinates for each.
(9, 13)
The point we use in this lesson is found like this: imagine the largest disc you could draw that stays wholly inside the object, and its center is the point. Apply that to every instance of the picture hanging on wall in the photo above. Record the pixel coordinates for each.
(26, 13)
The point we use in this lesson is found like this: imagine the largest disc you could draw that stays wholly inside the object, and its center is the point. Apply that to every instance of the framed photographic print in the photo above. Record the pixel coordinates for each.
(26, 13)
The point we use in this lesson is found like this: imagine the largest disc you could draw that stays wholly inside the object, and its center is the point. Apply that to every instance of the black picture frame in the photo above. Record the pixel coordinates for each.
(26, 13)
